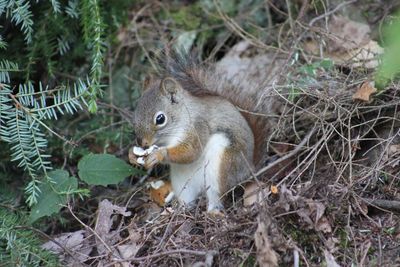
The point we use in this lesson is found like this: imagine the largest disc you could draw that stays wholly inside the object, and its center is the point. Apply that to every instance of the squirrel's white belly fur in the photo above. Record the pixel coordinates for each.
(202, 175)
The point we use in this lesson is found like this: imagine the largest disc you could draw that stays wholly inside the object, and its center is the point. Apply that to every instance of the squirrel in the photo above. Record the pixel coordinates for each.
(191, 114)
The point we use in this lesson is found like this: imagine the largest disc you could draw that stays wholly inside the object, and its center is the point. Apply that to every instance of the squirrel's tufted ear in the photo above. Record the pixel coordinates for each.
(170, 87)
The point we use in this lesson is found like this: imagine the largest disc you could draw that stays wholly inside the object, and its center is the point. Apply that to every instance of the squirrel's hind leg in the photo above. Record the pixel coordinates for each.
(214, 201)
(215, 153)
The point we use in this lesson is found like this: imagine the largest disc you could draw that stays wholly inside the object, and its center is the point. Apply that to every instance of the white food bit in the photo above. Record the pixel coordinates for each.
(138, 151)
(151, 149)
(157, 184)
(167, 211)
(140, 160)
(169, 197)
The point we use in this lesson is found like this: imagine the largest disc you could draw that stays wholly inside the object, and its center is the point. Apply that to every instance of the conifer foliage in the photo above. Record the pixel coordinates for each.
(51, 60)
(49, 35)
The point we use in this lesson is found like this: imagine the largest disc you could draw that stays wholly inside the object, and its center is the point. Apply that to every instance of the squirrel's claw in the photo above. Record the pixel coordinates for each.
(154, 158)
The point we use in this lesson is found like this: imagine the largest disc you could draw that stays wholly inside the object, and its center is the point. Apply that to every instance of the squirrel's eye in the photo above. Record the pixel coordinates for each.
(160, 119)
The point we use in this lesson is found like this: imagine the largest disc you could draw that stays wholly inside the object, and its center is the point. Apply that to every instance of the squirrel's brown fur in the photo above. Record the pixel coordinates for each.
(189, 113)
(202, 79)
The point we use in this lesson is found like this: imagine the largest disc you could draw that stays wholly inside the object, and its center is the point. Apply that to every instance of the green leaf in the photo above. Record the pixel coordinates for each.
(104, 169)
(326, 64)
(53, 195)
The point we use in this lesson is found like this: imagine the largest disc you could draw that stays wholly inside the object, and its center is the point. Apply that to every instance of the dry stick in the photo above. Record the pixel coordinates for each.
(289, 155)
(350, 150)
(177, 251)
(91, 230)
(241, 32)
(66, 250)
(330, 12)
(357, 204)
(295, 258)
(365, 252)
(140, 42)
(306, 161)
(388, 205)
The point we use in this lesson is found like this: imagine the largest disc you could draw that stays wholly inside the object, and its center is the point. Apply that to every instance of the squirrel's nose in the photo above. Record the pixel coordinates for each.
(143, 142)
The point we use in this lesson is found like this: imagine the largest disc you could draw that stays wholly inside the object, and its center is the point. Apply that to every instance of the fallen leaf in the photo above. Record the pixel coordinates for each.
(249, 71)
(128, 251)
(266, 255)
(309, 210)
(323, 225)
(393, 153)
(253, 194)
(365, 91)
(167, 211)
(348, 44)
(394, 149)
(104, 223)
(347, 34)
(77, 243)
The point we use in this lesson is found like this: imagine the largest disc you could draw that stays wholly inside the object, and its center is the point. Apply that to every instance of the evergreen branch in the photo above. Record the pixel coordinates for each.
(3, 44)
(21, 246)
(21, 14)
(3, 6)
(7, 66)
(62, 99)
(93, 29)
(6, 110)
(56, 6)
(72, 9)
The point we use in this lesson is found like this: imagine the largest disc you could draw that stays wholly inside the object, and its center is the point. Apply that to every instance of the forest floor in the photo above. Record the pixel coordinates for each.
(329, 196)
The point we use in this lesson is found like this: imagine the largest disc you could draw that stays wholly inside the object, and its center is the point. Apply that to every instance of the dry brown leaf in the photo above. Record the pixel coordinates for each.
(365, 91)
(310, 211)
(347, 34)
(104, 223)
(323, 225)
(349, 44)
(266, 255)
(253, 194)
(394, 149)
(250, 71)
(128, 250)
(76, 243)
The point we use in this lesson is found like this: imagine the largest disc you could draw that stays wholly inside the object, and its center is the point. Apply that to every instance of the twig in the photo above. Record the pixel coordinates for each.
(330, 12)
(64, 248)
(295, 258)
(289, 155)
(164, 253)
(91, 230)
(390, 205)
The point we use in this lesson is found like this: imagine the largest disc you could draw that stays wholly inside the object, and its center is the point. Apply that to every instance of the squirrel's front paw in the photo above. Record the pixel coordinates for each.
(157, 156)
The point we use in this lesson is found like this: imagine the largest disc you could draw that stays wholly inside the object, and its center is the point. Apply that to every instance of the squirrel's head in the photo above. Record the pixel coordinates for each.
(160, 112)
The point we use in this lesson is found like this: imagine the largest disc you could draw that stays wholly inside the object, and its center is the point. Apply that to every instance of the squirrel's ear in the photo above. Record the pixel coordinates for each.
(169, 87)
